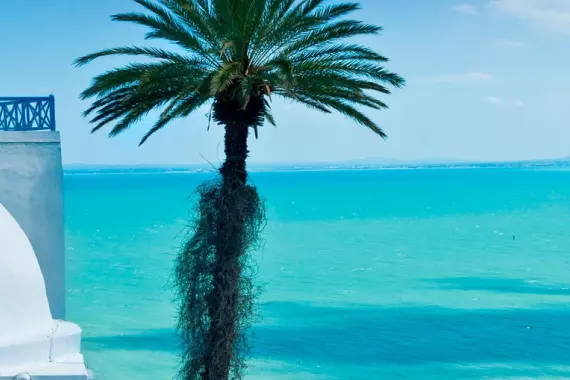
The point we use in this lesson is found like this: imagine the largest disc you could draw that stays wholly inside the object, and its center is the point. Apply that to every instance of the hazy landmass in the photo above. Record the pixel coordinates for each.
(359, 164)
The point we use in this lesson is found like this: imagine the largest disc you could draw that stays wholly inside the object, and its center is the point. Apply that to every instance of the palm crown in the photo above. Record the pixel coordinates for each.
(239, 53)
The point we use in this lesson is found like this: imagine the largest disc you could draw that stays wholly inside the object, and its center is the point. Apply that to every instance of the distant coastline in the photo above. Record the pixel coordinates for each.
(563, 163)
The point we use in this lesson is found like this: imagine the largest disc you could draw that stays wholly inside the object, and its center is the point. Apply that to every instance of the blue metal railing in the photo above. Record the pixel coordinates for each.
(27, 114)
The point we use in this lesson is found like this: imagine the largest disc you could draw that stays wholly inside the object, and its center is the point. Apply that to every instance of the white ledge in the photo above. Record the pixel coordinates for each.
(29, 137)
(53, 357)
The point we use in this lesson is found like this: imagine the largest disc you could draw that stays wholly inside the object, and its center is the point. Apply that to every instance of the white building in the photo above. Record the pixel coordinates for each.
(35, 341)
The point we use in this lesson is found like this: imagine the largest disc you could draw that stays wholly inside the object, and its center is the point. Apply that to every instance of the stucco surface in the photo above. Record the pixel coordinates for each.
(31, 189)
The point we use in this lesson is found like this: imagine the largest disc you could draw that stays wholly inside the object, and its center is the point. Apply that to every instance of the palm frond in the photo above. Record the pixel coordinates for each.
(268, 115)
(329, 34)
(151, 52)
(357, 68)
(182, 109)
(224, 77)
(348, 110)
(173, 33)
(195, 16)
(139, 73)
(338, 52)
(334, 11)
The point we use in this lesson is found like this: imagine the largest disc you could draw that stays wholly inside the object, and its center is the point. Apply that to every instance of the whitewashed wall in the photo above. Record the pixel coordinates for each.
(31, 189)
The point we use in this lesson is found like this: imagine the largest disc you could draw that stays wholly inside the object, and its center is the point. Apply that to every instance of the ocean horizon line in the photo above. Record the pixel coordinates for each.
(197, 168)
(365, 162)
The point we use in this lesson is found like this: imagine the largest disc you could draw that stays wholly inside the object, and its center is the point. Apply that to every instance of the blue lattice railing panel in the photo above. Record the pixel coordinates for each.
(27, 114)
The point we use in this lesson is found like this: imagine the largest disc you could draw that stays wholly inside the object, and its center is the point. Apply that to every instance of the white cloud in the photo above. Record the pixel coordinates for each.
(461, 78)
(505, 43)
(500, 102)
(553, 15)
(494, 100)
(465, 8)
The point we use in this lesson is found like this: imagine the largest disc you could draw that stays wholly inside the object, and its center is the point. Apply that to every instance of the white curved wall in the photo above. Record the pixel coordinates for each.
(25, 311)
(31, 342)
(31, 189)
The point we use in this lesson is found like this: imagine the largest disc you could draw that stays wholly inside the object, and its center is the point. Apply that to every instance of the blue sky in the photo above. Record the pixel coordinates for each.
(487, 80)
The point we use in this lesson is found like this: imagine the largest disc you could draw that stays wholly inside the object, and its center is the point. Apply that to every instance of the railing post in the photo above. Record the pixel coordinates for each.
(52, 112)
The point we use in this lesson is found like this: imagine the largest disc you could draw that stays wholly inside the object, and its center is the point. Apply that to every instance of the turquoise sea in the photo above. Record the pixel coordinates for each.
(392, 274)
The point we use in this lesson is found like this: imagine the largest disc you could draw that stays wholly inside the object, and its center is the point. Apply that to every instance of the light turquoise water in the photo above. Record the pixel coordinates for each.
(409, 274)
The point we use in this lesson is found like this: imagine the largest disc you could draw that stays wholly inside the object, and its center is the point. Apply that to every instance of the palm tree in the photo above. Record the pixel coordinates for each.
(234, 55)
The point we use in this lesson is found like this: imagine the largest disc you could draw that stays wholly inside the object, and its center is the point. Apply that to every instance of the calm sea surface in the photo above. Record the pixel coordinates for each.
(395, 274)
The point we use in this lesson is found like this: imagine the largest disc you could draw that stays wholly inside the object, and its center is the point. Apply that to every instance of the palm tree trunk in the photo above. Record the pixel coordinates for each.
(229, 247)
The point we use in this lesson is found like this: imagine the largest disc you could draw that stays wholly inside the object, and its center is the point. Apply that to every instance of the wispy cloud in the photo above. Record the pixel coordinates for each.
(553, 15)
(494, 100)
(500, 102)
(471, 77)
(465, 8)
(505, 43)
